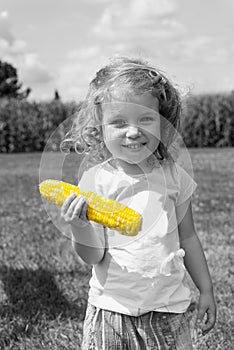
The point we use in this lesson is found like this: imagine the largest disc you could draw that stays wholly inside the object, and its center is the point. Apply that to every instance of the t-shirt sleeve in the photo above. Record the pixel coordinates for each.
(186, 184)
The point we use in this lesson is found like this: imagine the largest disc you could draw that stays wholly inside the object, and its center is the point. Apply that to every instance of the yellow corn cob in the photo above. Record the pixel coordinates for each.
(104, 211)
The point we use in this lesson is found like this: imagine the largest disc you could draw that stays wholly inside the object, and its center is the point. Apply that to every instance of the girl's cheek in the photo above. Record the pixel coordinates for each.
(113, 134)
(152, 132)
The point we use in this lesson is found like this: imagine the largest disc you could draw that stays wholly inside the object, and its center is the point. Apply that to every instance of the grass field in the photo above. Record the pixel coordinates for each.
(43, 285)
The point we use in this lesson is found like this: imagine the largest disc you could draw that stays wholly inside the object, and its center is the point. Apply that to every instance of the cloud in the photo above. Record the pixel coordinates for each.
(150, 9)
(80, 67)
(33, 71)
(13, 49)
(138, 19)
(9, 45)
(186, 49)
(16, 52)
(5, 27)
(202, 49)
(143, 28)
(77, 71)
(83, 53)
(96, 1)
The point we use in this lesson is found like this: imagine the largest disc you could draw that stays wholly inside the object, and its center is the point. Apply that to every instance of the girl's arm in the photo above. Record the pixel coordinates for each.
(195, 263)
(89, 244)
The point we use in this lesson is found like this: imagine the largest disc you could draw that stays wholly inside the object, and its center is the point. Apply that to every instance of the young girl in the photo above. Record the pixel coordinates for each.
(138, 296)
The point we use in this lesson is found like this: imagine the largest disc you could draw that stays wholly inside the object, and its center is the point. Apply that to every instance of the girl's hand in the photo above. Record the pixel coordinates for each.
(74, 210)
(206, 307)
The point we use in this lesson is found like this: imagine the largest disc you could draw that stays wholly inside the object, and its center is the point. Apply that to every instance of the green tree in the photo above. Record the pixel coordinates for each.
(9, 84)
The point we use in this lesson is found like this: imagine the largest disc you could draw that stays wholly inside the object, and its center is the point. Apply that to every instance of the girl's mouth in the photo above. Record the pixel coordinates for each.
(134, 145)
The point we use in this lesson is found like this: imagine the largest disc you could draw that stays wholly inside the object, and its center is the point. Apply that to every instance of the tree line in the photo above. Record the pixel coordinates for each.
(207, 119)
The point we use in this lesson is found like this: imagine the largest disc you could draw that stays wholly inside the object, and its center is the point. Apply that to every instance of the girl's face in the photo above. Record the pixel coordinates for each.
(131, 130)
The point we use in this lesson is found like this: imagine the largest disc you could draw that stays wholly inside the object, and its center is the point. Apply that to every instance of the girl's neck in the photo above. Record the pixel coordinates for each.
(145, 167)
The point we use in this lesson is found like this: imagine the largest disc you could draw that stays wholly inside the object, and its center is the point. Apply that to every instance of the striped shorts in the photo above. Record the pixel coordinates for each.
(105, 330)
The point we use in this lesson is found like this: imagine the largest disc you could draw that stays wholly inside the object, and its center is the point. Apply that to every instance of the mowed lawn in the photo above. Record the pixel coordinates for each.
(44, 286)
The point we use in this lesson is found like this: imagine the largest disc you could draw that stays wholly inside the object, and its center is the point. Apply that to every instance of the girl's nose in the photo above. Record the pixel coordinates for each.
(133, 131)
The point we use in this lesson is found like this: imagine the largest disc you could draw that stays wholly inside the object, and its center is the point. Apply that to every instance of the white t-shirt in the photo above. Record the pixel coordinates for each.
(145, 272)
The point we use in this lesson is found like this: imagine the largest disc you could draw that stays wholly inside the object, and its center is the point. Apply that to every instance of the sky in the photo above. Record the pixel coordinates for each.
(61, 44)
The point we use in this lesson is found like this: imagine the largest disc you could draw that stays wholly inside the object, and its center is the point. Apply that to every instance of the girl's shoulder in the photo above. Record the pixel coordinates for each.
(177, 173)
(176, 170)
(184, 178)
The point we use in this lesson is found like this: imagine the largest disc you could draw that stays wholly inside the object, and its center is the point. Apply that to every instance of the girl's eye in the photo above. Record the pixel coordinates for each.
(147, 119)
(119, 123)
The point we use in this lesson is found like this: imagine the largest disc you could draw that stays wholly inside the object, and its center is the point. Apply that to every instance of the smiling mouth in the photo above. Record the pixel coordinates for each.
(134, 145)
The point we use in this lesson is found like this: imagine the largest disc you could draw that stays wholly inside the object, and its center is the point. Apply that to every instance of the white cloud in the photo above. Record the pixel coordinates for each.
(130, 29)
(96, 1)
(83, 53)
(4, 14)
(202, 49)
(12, 49)
(173, 25)
(32, 71)
(9, 45)
(147, 9)
(80, 68)
(137, 20)
(218, 55)
(105, 26)
(77, 71)
(15, 51)
(5, 27)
